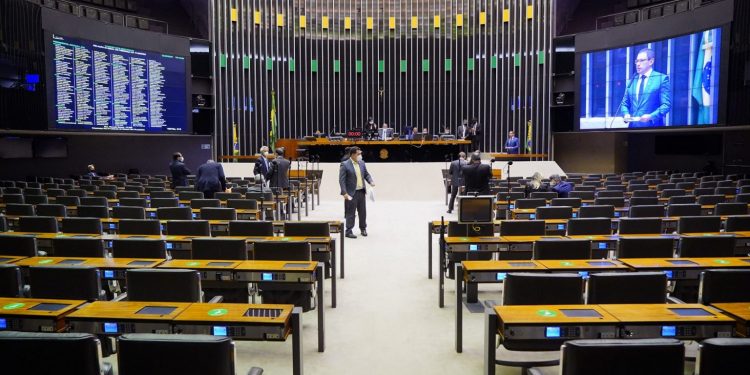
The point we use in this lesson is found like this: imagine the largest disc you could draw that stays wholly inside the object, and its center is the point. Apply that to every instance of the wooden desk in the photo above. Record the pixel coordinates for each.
(113, 318)
(112, 268)
(681, 321)
(683, 268)
(35, 315)
(210, 270)
(7, 259)
(583, 266)
(740, 311)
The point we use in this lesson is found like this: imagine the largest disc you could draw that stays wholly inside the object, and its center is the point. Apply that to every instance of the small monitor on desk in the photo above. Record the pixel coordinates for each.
(476, 210)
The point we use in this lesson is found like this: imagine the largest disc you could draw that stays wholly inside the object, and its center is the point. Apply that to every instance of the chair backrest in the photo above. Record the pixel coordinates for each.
(198, 354)
(706, 246)
(562, 249)
(78, 247)
(725, 190)
(585, 195)
(89, 225)
(307, 228)
(571, 202)
(190, 195)
(611, 201)
(722, 209)
(17, 245)
(710, 199)
(247, 204)
(215, 213)
(645, 247)
(64, 353)
(626, 287)
(642, 190)
(723, 356)
(227, 196)
(19, 209)
(76, 193)
(128, 194)
(10, 281)
(56, 210)
(40, 224)
(686, 185)
(668, 193)
(128, 212)
(561, 212)
(174, 213)
(547, 195)
(188, 228)
(36, 199)
(522, 228)
(703, 191)
(282, 250)
(674, 210)
(164, 202)
(133, 202)
(251, 228)
(681, 199)
(530, 203)
(159, 193)
(590, 226)
(135, 188)
(644, 201)
(742, 198)
(13, 198)
(93, 201)
(93, 211)
(32, 191)
(646, 211)
(596, 211)
(724, 285)
(543, 289)
(68, 200)
(139, 248)
(631, 225)
(469, 230)
(623, 356)
(219, 248)
(138, 226)
(200, 202)
(174, 285)
(610, 194)
(105, 194)
(699, 224)
(737, 223)
(81, 283)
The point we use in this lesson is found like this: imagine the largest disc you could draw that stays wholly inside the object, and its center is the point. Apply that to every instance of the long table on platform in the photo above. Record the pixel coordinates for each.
(380, 151)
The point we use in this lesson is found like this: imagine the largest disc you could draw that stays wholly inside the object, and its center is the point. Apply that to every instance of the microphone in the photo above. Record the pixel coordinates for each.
(619, 108)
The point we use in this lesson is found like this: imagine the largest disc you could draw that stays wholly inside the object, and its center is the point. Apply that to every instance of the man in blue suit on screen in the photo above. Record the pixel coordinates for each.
(648, 98)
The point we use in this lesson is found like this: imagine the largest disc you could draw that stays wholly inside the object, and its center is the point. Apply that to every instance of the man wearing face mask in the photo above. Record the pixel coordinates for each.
(179, 170)
(352, 177)
(262, 165)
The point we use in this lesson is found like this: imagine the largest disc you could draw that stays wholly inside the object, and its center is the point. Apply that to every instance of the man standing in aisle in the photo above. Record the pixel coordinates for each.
(457, 178)
(179, 170)
(210, 179)
(352, 177)
(262, 166)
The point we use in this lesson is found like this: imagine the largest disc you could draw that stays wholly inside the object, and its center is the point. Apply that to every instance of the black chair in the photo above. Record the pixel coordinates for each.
(36, 199)
(219, 248)
(610, 194)
(188, 228)
(570, 202)
(719, 356)
(722, 209)
(627, 287)
(56, 210)
(244, 204)
(73, 282)
(699, 224)
(468, 230)
(101, 212)
(11, 284)
(644, 201)
(706, 246)
(69, 201)
(128, 212)
(88, 225)
(724, 285)
(546, 195)
(666, 186)
(307, 228)
(529, 203)
(645, 247)
(282, 250)
(737, 223)
(710, 199)
(133, 202)
(681, 199)
(597, 211)
(686, 185)
(39, 224)
(174, 285)
(584, 195)
(250, 228)
(725, 190)
(522, 228)
(610, 201)
(64, 353)
(93, 201)
(215, 213)
(174, 213)
(646, 211)
(190, 195)
(562, 249)
(668, 193)
(640, 226)
(543, 289)
(227, 196)
(621, 357)
(198, 354)
(742, 198)
(165, 203)
(645, 193)
(675, 210)
(698, 192)
(78, 247)
(13, 198)
(139, 248)
(160, 194)
(19, 209)
(105, 194)
(139, 227)
(76, 193)
(200, 203)
(21, 246)
(562, 212)
(129, 194)
(590, 226)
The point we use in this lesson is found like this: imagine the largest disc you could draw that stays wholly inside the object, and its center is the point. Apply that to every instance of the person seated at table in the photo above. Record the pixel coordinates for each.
(91, 172)
(562, 188)
(385, 133)
(535, 184)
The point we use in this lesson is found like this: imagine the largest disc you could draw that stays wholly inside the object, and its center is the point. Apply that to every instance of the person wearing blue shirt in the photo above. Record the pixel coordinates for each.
(563, 188)
(512, 145)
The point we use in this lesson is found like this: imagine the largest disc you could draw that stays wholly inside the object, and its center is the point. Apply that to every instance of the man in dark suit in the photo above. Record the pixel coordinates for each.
(457, 178)
(210, 179)
(279, 174)
(463, 130)
(477, 176)
(352, 177)
(478, 131)
(179, 170)
(648, 98)
(262, 166)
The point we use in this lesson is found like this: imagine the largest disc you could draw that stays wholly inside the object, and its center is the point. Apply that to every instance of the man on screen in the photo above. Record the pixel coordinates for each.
(647, 98)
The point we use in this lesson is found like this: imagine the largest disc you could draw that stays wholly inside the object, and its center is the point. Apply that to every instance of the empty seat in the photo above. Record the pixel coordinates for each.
(710, 199)
(706, 246)
(128, 194)
(17, 246)
(19, 209)
(251, 228)
(529, 203)
(644, 201)
(627, 287)
(742, 198)
(522, 228)
(563, 212)
(737, 223)
(597, 211)
(227, 196)
(543, 289)
(128, 212)
(35, 199)
(40, 224)
(725, 191)
(585, 195)
(722, 209)
(200, 203)
(718, 356)
(646, 211)
(645, 247)
(88, 225)
(546, 195)
(681, 199)
(724, 285)
(80, 283)
(699, 224)
(101, 212)
(610, 194)
(174, 285)
(708, 184)
(214, 213)
(78, 247)
(190, 195)
(668, 193)
(631, 225)
(105, 194)
(69, 201)
(245, 204)
(174, 213)
(57, 210)
(133, 202)
(686, 185)
(64, 353)
(11, 285)
(613, 201)
(282, 250)
(219, 248)
(137, 226)
(622, 357)
(94, 201)
(188, 228)
(139, 248)
(159, 194)
(571, 202)
(665, 186)
(590, 226)
(562, 249)
(675, 210)
(164, 202)
(307, 229)
(13, 198)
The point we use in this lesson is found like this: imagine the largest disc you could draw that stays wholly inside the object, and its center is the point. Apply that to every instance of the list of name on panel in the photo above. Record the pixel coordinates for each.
(105, 87)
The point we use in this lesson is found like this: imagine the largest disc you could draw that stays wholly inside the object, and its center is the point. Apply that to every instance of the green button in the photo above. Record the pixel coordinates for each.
(566, 264)
(193, 264)
(285, 238)
(465, 239)
(217, 312)
(46, 261)
(721, 261)
(547, 313)
(14, 306)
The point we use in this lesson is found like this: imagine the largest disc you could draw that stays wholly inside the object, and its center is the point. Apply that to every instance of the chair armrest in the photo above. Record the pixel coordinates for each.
(121, 297)
(217, 299)
(255, 371)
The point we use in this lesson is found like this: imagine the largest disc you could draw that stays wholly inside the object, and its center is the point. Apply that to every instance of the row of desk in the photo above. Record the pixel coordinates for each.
(264, 322)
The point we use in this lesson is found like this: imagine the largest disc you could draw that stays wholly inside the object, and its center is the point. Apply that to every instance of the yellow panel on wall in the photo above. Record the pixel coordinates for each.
(280, 20)
(256, 17)
(459, 20)
(347, 23)
(392, 23)
(529, 12)
(234, 15)
(414, 22)
(324, 22)
(506, 15)
(437, 22)
(369, 23)
(302, 22)
(482, 18)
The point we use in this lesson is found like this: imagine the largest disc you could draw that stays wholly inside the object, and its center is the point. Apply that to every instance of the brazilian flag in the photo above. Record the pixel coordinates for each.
(529, 137)
(701, 91)
(274, 134)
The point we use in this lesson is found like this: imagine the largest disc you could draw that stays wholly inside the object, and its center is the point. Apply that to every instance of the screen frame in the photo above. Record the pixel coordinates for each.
(491, 211)
(65, 25)
(714, 16)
